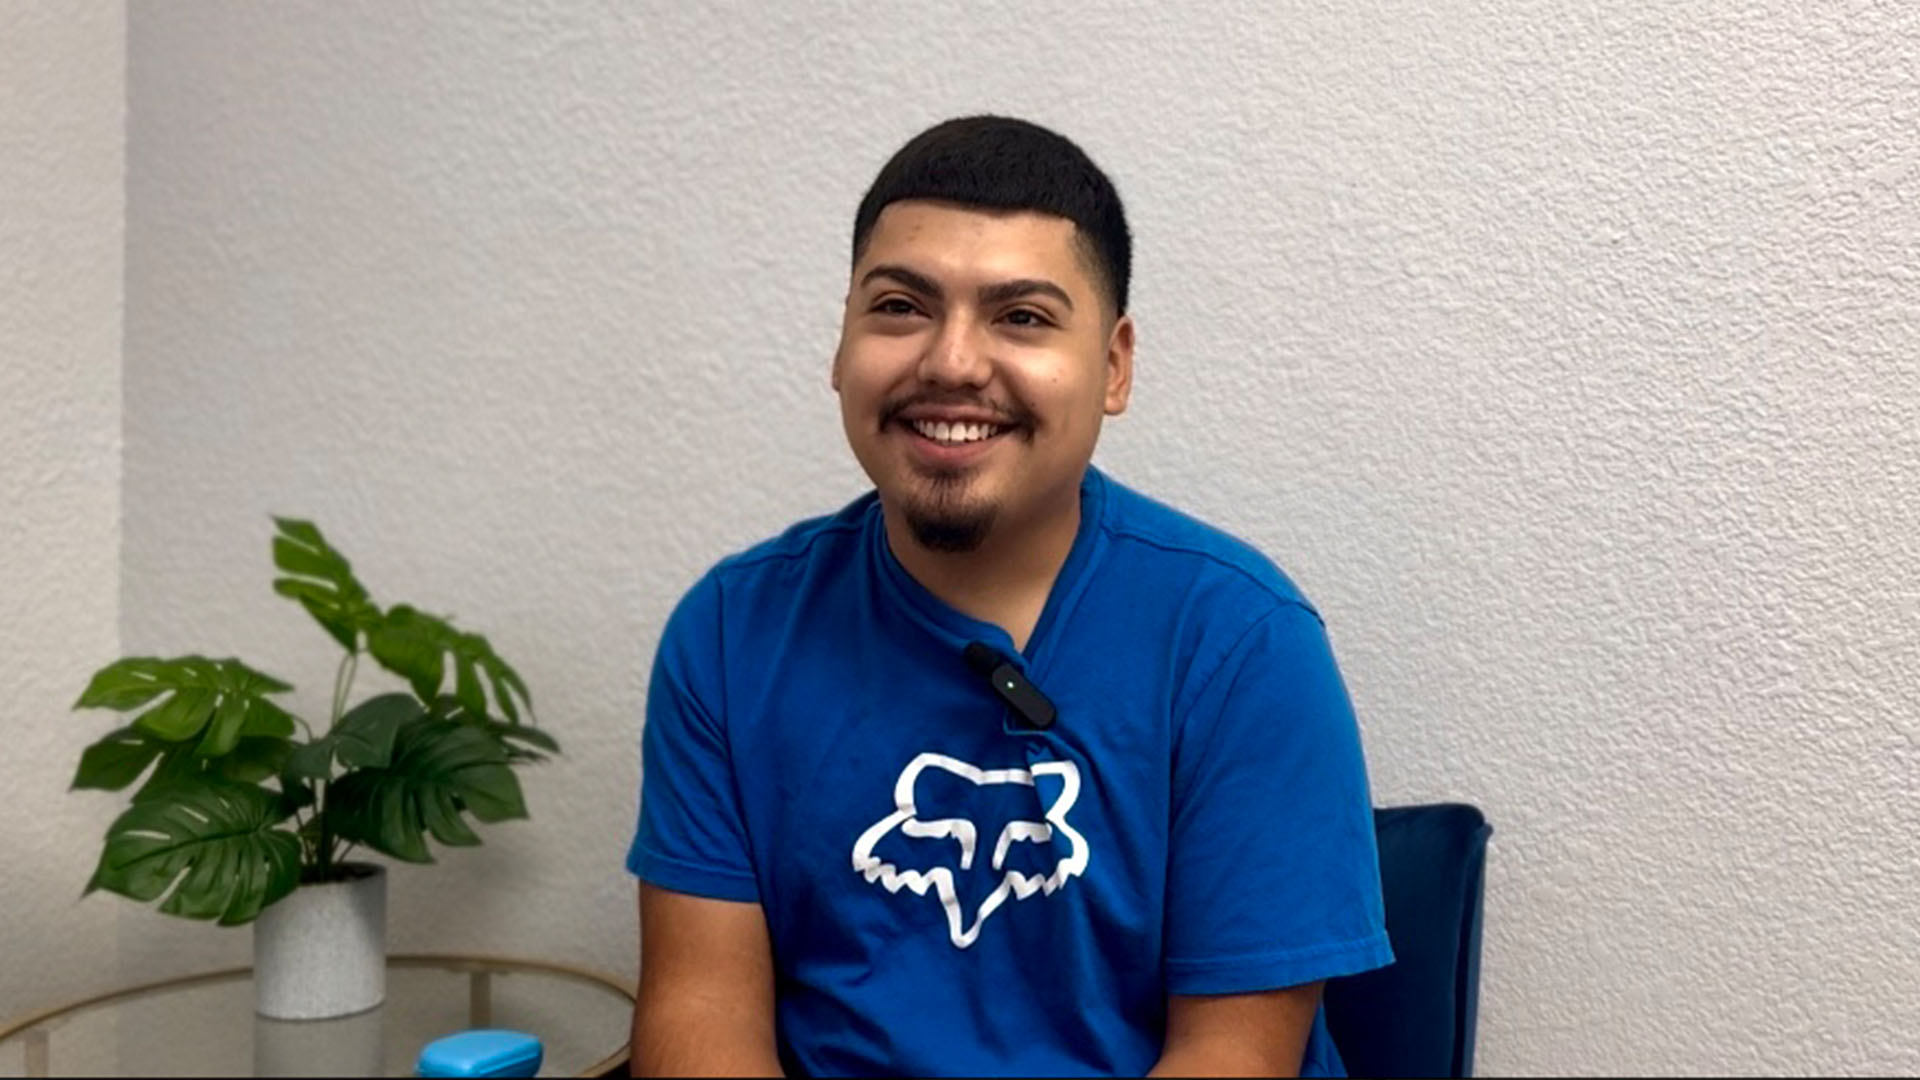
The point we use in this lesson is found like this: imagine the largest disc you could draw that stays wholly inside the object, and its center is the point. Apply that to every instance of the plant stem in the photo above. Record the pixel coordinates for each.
(342, 683)
(321, 863)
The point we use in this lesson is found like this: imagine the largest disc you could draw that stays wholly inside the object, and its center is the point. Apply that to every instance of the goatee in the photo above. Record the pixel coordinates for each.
(955, 535)
(943, 523)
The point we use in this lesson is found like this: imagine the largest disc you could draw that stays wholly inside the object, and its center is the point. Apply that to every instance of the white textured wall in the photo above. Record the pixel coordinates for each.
(1565, 353)
(63, 82)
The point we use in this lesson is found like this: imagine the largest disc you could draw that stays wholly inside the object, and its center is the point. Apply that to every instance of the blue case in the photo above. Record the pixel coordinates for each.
(481, 1052)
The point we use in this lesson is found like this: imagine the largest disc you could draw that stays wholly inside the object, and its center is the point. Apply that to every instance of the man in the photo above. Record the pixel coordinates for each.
(1004, 768)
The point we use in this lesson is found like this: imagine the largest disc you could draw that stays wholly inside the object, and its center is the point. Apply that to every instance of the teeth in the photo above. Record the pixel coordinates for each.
(942, 431)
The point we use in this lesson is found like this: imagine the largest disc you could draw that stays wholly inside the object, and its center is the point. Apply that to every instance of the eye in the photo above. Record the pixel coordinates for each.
(1027, 318)
(894, 306)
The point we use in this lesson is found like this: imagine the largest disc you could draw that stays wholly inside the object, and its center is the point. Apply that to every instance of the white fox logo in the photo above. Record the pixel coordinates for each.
(962, 830)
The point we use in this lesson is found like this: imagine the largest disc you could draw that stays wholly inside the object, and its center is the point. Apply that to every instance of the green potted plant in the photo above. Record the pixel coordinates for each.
(247, 812)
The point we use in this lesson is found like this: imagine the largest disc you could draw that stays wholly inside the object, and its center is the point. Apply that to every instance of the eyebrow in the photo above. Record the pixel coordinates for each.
(995, 293)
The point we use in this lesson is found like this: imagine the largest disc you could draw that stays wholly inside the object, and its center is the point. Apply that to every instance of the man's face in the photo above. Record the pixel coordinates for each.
(977, 358)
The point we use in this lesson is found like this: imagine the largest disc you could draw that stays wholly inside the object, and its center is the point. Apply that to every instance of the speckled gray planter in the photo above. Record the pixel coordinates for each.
(322, 951)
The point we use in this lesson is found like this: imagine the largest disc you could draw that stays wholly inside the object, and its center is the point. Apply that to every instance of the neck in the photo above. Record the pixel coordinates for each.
(1006, 580)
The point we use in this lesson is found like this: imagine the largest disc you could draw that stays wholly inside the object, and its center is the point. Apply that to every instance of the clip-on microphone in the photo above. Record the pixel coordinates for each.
(1025, 699)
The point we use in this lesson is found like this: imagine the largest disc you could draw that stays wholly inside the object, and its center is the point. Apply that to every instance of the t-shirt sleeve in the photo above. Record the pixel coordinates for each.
(692, 836)
(1273, 879)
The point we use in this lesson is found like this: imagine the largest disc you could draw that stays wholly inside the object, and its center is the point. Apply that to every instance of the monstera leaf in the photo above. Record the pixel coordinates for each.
(118, 759)
(538, 743)
(417, 647)
(216, 839)
(215, 701)
(322, 580)
(121, 756)
(542, 743)
(364, 737)
(440, 770)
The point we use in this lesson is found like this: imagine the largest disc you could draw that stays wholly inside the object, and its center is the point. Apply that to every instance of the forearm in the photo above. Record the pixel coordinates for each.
(1202, 1059)
(705, 1004)
(1261, 1033)
(680, 1040)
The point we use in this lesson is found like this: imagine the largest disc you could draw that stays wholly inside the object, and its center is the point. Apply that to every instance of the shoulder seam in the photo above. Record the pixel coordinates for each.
(1228, 653)
(1121, 532)
(750, 558)
(1200, 689)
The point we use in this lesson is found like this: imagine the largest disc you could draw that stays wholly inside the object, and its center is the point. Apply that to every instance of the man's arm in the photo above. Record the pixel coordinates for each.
(705, 1006)
(1260, 1034)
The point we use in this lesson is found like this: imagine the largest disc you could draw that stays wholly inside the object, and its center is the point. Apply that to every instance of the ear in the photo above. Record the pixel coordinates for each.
(840, 349)
(1119, 366)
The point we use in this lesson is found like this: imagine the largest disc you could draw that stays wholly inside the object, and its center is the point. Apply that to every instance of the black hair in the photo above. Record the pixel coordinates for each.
(1000, 163)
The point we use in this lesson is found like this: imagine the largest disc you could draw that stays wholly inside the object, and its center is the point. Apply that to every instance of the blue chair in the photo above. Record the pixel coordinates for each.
(1416, 1017)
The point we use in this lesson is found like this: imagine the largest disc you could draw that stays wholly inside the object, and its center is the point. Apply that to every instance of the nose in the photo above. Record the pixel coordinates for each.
(958, 355)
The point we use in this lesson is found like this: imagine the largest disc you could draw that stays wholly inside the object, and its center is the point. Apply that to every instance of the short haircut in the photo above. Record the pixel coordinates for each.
(1000, 163)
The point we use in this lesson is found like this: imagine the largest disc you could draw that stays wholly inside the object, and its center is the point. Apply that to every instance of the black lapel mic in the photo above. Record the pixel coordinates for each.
(1024, 698)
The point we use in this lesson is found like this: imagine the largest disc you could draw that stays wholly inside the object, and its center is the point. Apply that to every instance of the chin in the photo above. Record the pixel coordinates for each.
(946, 512)
(951, 533)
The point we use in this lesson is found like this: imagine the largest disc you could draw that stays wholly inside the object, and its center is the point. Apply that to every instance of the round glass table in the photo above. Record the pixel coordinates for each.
(204, 1025)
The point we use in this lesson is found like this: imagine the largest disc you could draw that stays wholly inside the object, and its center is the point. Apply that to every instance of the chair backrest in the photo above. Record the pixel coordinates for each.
(1416, 1017)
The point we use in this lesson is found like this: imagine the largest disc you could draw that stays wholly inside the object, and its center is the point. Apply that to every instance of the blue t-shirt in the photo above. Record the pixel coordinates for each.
(950, 892)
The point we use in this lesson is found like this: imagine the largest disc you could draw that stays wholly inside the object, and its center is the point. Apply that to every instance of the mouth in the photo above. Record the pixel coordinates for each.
(940, 442)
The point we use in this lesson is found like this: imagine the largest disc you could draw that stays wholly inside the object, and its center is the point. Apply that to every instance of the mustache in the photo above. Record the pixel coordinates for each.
(1007, 414)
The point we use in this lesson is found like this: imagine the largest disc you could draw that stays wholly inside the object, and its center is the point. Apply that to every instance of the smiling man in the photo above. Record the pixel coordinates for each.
(1003, 769)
